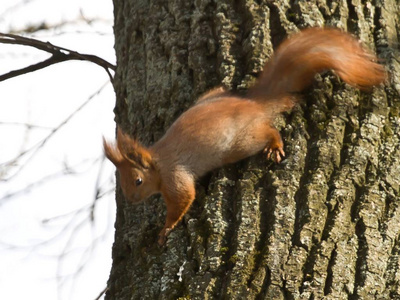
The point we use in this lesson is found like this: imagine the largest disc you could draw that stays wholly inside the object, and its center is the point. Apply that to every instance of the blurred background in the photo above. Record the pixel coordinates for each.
(56, 189)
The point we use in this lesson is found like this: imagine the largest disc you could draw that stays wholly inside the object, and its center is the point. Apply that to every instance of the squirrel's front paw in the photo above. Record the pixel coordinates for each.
(278, 153)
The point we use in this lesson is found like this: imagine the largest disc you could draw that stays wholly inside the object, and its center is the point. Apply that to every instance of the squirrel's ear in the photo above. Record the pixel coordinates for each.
(112, 153)
(132, 151)
(126, 145)
(124, 141)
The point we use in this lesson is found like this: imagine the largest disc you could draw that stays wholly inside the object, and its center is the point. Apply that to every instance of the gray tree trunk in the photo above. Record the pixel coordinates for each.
(325, 223)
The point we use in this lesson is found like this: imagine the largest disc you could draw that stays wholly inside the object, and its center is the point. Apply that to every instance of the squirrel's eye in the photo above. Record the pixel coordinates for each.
(138, 181)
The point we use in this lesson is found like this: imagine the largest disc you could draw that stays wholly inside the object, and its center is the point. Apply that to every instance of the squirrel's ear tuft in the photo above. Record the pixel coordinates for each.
(112, 153)
(124, 142)
(133, 151)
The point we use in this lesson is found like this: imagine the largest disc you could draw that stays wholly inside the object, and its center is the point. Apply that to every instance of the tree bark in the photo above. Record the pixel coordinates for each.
(325, 223)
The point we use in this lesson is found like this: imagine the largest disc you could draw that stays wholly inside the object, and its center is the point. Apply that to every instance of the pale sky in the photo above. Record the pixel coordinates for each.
(45, 233)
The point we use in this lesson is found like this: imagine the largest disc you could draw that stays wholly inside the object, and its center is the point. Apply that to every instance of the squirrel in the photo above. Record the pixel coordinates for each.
(223, 128)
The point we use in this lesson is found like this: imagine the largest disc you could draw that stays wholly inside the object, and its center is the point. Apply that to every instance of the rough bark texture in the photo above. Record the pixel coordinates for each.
(325, 223)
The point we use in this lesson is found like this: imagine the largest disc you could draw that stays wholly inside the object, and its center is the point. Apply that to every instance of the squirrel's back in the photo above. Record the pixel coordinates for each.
(223, 128)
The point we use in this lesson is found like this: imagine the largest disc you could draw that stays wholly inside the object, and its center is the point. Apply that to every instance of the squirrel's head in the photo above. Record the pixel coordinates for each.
(139, 177)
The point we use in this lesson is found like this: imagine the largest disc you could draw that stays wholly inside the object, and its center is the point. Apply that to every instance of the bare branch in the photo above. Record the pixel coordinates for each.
(59, 54)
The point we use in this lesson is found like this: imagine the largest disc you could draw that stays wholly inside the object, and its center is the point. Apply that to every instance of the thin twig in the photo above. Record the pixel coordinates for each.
(59, 54)
(35, 149)
(14, 6)
(27, 125)
(102, 293)
(97, 189)
(68, 170)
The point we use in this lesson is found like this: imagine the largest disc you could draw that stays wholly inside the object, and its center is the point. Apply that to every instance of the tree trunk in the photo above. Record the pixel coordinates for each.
(323, 223)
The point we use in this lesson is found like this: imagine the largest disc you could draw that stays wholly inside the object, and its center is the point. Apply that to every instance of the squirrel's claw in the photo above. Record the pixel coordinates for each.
(279, 153)
(162, 237)
(162, 240)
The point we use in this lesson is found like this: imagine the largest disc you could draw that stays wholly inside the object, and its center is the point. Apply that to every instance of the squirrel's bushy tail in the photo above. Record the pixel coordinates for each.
(297, 60)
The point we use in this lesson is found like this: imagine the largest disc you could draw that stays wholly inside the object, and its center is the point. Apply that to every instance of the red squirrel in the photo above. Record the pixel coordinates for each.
(223, 128)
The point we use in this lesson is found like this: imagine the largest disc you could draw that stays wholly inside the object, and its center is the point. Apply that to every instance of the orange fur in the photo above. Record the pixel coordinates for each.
(223, 128)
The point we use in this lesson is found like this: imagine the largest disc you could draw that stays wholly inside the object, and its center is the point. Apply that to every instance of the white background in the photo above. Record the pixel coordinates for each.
(49, 246)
